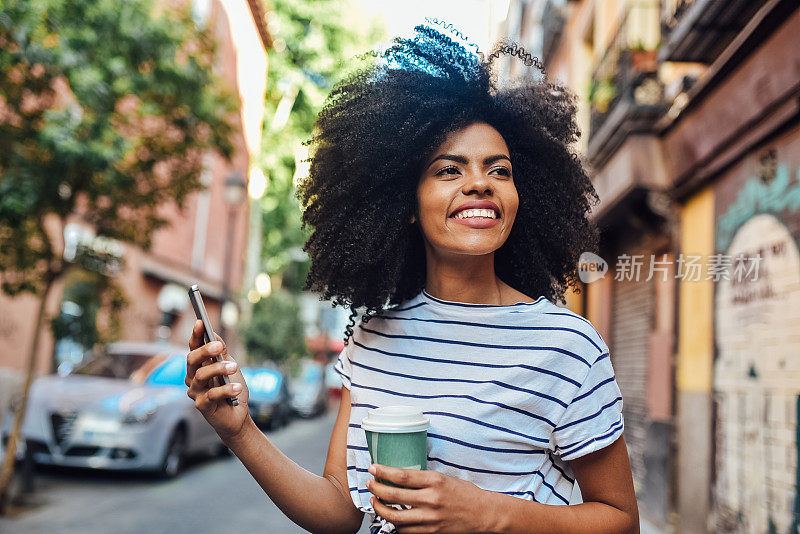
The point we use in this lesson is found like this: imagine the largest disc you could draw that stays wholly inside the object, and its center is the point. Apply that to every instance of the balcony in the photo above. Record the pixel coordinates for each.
(625, 93)
(699, 30)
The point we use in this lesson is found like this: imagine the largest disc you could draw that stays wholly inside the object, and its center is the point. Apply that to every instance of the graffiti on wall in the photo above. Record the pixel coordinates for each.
(777, 195)
(757, 371)
(756, 382)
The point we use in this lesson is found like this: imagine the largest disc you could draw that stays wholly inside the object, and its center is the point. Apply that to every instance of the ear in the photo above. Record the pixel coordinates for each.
(413, 219)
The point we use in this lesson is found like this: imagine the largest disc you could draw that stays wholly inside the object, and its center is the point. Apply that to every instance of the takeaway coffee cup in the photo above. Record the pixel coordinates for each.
(397, 436)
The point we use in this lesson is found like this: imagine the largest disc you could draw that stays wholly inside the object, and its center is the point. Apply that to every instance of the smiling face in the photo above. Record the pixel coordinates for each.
(466, 194)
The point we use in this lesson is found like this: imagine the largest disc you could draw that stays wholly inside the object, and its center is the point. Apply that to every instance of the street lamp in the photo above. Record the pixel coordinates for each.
(233, 193)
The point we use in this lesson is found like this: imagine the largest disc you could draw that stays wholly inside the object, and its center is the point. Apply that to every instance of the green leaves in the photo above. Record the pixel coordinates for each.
(320, 40)
(105, 101)
(275, 331)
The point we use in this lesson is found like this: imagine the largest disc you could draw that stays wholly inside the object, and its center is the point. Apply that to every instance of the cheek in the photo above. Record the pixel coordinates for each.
(511, 203)
(515, 208)
(433, 203)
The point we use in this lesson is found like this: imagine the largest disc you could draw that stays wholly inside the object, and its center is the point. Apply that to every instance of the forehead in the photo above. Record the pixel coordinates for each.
(477, 139)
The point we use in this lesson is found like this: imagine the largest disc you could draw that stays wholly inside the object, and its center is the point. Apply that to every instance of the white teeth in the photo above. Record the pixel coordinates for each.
(487, 214)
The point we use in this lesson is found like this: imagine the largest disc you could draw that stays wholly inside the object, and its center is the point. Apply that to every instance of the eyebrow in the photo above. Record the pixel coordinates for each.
(463, 160)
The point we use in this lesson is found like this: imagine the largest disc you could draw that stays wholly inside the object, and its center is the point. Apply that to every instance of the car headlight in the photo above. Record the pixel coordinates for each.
(138, 418)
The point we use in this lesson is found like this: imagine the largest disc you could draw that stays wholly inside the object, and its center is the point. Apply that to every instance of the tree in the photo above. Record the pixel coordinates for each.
(317, 41)
(316, 44)
(105, 110)
(275, 331)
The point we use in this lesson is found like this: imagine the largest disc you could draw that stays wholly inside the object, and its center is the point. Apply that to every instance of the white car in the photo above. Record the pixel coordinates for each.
(127, 409)
(309, 394)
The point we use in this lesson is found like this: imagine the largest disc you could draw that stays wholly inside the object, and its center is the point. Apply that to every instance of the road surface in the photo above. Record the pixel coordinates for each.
(212, 495)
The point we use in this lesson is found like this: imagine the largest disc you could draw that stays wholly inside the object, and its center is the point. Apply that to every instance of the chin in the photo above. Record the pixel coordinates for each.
(475, 249)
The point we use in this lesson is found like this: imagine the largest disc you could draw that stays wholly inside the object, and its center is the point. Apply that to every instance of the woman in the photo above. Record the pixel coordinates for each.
(454, 213)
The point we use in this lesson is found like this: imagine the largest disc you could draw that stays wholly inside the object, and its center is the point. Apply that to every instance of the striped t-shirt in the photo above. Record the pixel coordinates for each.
(512, 392)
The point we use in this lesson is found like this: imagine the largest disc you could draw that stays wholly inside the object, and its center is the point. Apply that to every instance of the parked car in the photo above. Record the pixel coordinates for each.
(309, 393)
(269, 397)
(126, 409)
(333, 382)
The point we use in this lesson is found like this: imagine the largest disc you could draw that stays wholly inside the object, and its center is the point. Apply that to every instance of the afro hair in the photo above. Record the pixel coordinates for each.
(382, 122)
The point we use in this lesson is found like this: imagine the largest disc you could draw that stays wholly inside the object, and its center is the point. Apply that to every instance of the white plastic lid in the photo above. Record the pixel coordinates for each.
(395, 420)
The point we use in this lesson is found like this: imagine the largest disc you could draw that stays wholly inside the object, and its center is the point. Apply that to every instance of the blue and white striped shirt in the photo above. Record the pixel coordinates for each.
(512, 392)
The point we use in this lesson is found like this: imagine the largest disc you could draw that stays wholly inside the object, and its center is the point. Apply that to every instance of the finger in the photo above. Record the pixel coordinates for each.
(196, 358)
(410, 497)
(197, 339)
(224, 354)
(195, 342)
(222, 392)
(198, 388)
(409, 478)
(204, 404)
(413, 516)
(422, 528)
(205, 373)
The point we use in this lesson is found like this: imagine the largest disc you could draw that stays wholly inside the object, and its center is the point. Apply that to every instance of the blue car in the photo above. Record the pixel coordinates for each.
(269, 397)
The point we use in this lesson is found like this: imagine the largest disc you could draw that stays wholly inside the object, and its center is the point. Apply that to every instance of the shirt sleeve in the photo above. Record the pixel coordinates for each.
(343, 365)
(593, 419)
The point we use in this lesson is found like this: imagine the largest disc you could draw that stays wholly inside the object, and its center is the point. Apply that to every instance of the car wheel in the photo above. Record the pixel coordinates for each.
(174, 455)
(273, 423)
(223, 451)
(284, 419)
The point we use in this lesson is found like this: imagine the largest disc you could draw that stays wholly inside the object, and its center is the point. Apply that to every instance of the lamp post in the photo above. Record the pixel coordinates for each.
(235, 189)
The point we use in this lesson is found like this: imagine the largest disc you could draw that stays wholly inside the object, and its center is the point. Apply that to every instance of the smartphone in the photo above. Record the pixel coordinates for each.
(208, 335)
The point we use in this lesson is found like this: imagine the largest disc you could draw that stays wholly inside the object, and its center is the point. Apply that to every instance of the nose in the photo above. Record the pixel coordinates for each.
(477, 183)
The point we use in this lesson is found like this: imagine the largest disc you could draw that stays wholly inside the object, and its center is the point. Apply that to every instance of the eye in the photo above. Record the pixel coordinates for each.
(448, 170)
(502, 171)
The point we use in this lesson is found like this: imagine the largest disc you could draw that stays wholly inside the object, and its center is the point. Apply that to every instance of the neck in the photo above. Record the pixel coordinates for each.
(464, 278)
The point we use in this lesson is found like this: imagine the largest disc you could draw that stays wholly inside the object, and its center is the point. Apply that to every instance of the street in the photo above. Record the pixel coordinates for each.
(211, 495)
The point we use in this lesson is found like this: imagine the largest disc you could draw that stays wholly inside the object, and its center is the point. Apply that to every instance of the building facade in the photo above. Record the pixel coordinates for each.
(205, 243)
(733, 150)
(689, 117)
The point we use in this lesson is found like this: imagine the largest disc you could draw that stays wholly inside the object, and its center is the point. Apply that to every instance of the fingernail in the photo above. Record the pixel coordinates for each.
(372, 469)
(237, 387)
(215, 346)
(230, 366)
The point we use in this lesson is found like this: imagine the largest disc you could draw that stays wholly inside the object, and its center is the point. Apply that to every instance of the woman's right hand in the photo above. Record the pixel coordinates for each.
(227, 420)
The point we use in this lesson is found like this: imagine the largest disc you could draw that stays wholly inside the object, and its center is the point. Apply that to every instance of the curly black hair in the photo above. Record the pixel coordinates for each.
(378, 127)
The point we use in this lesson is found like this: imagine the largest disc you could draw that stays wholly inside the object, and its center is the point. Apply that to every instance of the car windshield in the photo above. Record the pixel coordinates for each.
(311, 373)
(261, 382)
(171, 373)
(120, 365)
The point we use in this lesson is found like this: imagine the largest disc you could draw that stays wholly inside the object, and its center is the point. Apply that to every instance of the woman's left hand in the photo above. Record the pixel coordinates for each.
(440, 503)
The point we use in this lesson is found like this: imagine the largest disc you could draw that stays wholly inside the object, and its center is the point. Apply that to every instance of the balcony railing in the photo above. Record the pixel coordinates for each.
(625, 84)
(673, 11)
(699, 30)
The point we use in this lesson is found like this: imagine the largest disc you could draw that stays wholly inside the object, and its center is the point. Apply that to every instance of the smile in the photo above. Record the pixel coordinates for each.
(473, 213)
(476, 221)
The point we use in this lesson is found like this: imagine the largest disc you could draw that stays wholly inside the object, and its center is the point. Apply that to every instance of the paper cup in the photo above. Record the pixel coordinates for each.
(397, 436)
